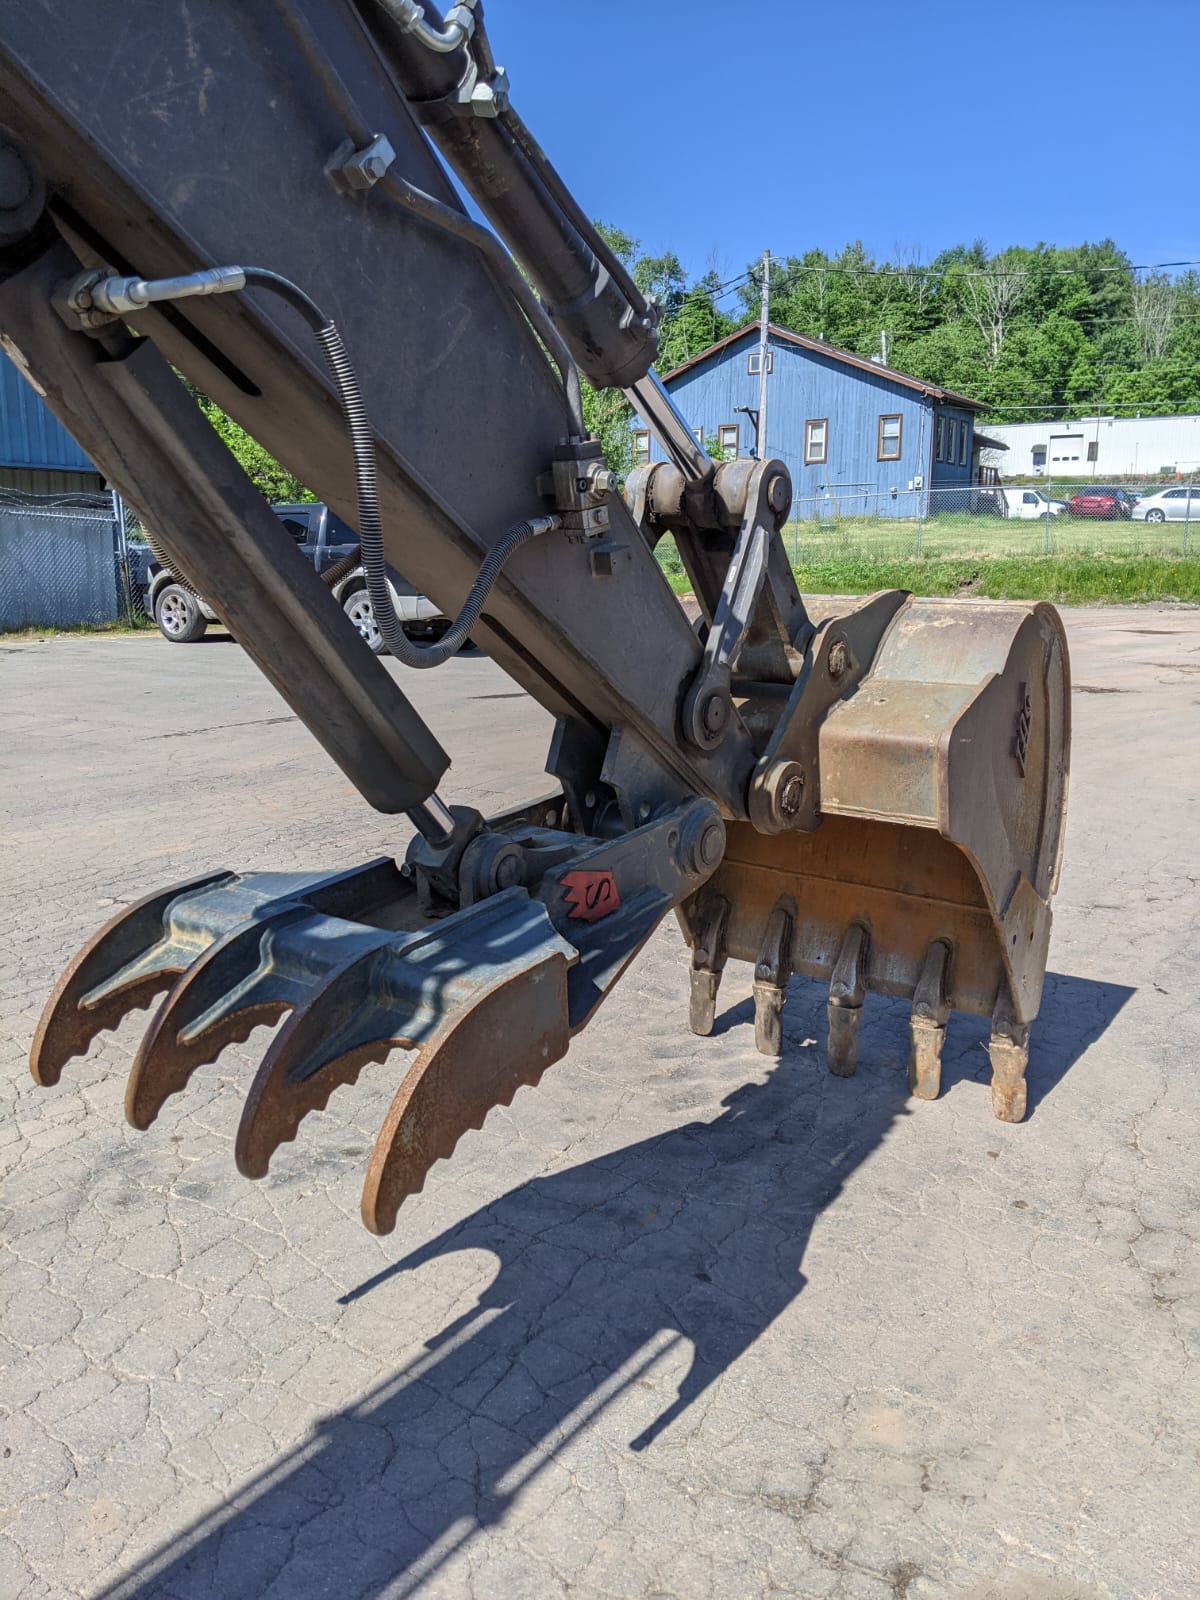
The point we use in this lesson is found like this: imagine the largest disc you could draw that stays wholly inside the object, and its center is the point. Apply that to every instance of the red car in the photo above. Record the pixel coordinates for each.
(1096, 502)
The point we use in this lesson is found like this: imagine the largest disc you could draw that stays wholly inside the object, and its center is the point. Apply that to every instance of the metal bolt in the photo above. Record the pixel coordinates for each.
(712, 845)
(839, 658)
(644, 810)
(508, 871)
(791, 796)
(16, 181)
(716, 711)
(589, 799)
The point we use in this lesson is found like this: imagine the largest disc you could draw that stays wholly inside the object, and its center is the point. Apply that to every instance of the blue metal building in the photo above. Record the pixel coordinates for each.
(856, 436)
(37, 454)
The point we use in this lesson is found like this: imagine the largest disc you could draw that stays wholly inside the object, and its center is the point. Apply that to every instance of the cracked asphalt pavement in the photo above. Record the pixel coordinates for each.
(678, 1323)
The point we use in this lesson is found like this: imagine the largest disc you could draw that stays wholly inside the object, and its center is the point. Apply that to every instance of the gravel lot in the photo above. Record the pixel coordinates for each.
(922, 1353)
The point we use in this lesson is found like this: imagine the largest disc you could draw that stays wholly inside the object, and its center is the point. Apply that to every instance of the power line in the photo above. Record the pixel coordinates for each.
(904, 273)
(1079, 412)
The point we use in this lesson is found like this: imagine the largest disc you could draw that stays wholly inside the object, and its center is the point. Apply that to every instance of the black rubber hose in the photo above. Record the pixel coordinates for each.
(343, 568)
(370, 528)
(260, 278)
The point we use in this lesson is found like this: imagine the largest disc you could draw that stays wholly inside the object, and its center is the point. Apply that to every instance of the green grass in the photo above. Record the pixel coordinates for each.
(122, 625)
(965, 535)
(1075, 578)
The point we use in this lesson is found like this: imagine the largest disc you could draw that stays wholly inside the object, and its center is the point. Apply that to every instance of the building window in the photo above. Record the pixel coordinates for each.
(1093, 449)
(963, 437)
(754, 362)
(816, 441)
(887, 447)
(727, 439)
(641, 447)
(951, 439)
(939, 436)
(698, 435)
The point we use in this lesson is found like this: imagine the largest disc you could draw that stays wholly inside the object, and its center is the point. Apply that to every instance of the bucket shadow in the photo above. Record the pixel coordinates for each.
(695, 1234)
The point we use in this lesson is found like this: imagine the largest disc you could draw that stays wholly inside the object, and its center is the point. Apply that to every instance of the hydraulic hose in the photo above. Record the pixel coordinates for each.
(120, 296)
(343, 568)
(370, 528)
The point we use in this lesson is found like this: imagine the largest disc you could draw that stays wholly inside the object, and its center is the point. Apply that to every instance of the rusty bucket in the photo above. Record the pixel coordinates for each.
(929, 819)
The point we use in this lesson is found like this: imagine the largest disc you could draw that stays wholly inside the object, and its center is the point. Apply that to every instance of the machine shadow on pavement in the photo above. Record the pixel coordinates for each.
(694, 1234)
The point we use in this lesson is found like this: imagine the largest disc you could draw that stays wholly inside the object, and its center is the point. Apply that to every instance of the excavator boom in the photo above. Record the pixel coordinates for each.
(255, 199)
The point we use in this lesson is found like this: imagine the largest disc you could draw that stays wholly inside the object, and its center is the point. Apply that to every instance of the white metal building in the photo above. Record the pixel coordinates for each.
(1102, 447)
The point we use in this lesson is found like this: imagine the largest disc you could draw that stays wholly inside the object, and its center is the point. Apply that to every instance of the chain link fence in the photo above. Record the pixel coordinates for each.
(66, 561)
(848, 522)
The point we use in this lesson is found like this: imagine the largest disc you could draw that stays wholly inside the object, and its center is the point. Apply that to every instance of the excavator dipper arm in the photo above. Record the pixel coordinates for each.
(196, 189)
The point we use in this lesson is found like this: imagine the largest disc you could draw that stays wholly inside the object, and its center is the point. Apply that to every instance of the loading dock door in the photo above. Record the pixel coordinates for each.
(1066, 448)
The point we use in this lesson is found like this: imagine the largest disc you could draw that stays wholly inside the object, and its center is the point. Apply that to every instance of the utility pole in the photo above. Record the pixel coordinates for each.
(883, 346)
(764, 318)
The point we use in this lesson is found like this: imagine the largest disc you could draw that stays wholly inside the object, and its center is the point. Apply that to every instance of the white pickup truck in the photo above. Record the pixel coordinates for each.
(1029, 504)
(183, 615)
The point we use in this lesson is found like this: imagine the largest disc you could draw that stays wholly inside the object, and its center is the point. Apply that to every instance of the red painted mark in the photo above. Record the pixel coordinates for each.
(591, 895)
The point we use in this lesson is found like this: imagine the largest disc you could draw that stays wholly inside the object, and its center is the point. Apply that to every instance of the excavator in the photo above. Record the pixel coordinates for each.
(328, 216)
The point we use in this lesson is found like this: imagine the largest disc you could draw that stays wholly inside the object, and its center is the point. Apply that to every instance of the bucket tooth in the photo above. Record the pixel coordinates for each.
(229, 991)
(772, 969)
(119, 970)
(927, 1028)
(847, 992)
(708, 963)
(504, 1040)
(1008, 1051)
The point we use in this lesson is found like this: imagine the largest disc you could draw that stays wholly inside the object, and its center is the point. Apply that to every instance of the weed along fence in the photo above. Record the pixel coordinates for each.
(970, 521)
(63, 561)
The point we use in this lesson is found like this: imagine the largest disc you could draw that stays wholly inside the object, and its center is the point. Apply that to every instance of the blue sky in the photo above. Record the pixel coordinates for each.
(716, 129)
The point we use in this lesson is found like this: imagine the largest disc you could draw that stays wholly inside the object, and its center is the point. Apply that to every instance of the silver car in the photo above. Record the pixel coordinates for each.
(1179, 504)
(183, 615)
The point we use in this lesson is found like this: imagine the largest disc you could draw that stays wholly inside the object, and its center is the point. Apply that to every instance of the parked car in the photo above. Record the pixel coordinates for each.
(1106, 502)
(1029, 503)
(1180, 504)
(324, 539)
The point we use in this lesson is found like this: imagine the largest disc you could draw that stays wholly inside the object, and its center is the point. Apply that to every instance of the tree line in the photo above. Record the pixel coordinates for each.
(1032, 333)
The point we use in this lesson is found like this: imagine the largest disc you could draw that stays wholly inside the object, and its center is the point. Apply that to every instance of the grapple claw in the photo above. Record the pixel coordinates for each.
(388, 992)
(847, 992)
(927, 1028)
(325, 1043)
(504, 1040)
(119, 970)
(217, 1001)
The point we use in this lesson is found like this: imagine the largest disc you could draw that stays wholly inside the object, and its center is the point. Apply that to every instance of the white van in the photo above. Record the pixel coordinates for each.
(1029, 503)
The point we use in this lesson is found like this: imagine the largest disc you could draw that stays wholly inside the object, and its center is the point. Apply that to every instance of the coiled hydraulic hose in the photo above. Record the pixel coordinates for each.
(120, 296)
(343, 568)
(370, 528)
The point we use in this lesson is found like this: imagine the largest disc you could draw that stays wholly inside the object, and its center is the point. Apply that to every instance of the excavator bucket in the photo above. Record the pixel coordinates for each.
(923, 761)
